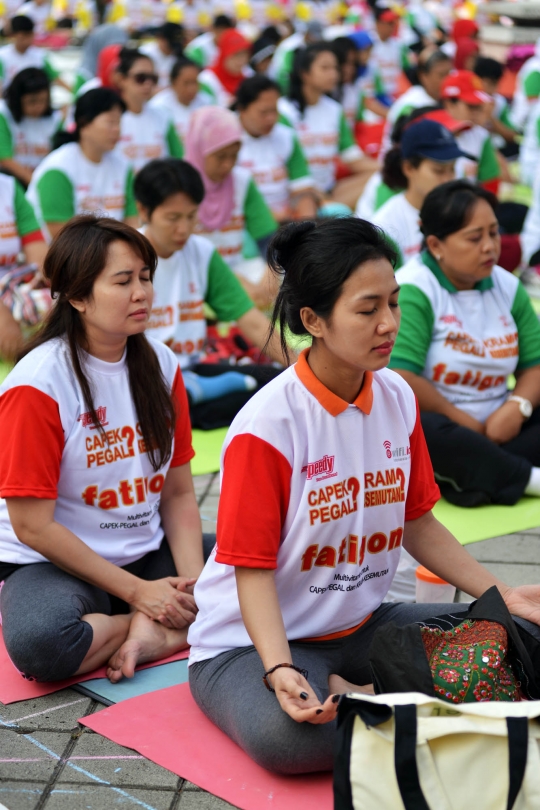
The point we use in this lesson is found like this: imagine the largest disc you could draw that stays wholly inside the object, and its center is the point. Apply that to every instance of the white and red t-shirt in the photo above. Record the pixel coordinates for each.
(106, 491)
(318, 490)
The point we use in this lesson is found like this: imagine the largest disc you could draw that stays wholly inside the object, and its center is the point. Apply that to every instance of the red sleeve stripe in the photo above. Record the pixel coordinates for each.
(33, 236)
(423, 492)
(182, 450)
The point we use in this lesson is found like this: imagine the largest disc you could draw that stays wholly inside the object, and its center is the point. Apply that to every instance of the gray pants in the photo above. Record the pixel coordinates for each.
(230, 691)
(42, 606)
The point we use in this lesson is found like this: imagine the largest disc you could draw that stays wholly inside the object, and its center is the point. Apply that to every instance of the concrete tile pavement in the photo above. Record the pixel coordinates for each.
(48, 762)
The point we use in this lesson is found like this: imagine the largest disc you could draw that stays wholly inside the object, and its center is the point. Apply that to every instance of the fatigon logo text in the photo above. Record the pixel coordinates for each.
(325, 466)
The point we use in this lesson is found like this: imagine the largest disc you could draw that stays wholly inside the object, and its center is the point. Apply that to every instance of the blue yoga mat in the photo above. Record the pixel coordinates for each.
(144, 681)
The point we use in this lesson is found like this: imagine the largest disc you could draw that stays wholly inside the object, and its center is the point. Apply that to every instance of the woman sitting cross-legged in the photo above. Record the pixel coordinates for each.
(306, 544)
(100, 536)
(467, 325)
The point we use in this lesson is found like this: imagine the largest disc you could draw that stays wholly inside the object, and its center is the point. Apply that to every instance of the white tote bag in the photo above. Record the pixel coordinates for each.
(409, 751)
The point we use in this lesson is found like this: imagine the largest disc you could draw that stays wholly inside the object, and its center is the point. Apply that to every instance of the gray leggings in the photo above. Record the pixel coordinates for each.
(41, 608)
(230, 692)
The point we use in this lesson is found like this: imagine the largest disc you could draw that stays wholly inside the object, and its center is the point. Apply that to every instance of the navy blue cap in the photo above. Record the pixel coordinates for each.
(430, 139)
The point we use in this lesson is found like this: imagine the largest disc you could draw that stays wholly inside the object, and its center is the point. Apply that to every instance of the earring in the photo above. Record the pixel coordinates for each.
(438, 258)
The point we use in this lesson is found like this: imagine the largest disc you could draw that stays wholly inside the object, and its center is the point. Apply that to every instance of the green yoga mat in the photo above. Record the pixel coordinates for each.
(144, 681)
(483, 522)
(207, 445)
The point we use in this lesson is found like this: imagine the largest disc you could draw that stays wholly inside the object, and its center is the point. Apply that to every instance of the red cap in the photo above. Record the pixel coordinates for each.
(388, 16)
(466, 86)
(447, 121)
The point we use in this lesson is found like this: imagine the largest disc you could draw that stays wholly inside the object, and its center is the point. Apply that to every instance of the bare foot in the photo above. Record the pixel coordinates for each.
(339, 686)
(146, 641)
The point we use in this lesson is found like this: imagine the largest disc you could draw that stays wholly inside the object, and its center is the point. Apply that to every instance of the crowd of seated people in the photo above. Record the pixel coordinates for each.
(213, 196)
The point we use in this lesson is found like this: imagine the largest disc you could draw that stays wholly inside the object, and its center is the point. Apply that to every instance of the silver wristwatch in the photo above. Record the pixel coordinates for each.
(525, 406)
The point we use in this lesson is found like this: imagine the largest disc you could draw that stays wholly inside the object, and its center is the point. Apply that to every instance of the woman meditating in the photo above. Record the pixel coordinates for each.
(467, 325)
(100, 535)
(325, 476)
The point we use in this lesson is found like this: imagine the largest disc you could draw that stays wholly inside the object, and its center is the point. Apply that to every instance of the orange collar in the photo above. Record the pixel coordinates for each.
(330, 401)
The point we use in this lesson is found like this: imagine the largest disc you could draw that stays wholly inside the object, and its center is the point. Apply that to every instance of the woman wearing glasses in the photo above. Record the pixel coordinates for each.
(146, 133)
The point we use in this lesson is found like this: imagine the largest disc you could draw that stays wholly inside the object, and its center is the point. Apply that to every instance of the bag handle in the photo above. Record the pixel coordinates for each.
(407, 768)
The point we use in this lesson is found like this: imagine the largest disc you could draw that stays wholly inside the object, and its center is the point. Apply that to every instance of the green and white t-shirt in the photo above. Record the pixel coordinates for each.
(373, 197)
(282, 60)
(529, 150)
(212, 87)
(28, 141)
(167, 102)
(465, 342)
(401, 221)
(183, 283)
(146, 136)
(66, 183)
(413, 98)
(324, 134)
(527, 90)
(278, 166)
(477, 142)
(390, 58)
(249, 212)
(18, 223)
(202, 50)
(12, 62)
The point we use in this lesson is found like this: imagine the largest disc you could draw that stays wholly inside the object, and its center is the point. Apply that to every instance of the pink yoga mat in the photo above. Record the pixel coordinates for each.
(14, 687)
(168, 728)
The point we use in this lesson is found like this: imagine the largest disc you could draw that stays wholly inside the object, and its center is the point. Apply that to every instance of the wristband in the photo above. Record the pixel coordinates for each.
(303, 672)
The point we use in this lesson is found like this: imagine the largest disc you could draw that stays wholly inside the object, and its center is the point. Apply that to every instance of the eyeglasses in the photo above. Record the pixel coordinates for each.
(142, 78)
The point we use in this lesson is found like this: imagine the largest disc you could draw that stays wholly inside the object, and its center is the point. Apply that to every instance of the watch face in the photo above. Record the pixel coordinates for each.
(526, 409)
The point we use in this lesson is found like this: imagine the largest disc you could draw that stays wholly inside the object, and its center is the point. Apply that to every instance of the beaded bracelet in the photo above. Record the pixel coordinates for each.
(303, 672)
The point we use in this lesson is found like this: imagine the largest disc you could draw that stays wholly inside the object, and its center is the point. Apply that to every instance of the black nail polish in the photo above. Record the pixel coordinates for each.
(304, 695)
(335, 698)
(319, 711)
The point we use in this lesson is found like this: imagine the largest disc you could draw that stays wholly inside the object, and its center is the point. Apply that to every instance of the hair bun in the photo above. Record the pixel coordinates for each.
(285, 244)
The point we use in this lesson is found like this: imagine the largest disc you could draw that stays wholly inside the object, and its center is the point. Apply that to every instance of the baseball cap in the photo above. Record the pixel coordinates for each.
(465, 86)
(444, 118)
(430, 139)
(386, 15)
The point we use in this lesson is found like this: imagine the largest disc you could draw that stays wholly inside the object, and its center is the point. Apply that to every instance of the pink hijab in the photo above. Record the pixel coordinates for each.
(211, 129)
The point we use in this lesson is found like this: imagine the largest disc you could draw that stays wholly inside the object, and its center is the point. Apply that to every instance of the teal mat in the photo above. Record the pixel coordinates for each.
(144, 681)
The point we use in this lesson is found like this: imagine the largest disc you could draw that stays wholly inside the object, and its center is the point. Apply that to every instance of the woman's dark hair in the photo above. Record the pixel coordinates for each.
(392, 172)
(449, 207)
(487, 68)
(127, 58)
(303, 60)
(426, 62)
(29, 80)
(342, 47)
(250, 90)
(160, 179)
(181, 63)
(314, 260)
(89, 106)
(75, 259)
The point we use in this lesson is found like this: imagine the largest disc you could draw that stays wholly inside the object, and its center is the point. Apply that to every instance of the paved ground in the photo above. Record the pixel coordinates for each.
(48, 761)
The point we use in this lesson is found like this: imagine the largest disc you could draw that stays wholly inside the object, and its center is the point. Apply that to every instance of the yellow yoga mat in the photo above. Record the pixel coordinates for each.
(207, 445)
(483, 522)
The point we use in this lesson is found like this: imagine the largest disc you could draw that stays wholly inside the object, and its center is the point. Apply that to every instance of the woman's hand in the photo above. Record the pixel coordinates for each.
(524, 601)
(298, 700)
(505, 423)
(167, 601)
(466, 420)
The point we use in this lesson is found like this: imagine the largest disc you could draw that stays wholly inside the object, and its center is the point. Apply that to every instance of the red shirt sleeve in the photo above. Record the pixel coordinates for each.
(32, 442)
(253, 503)
(182, 450)
(423, 492)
